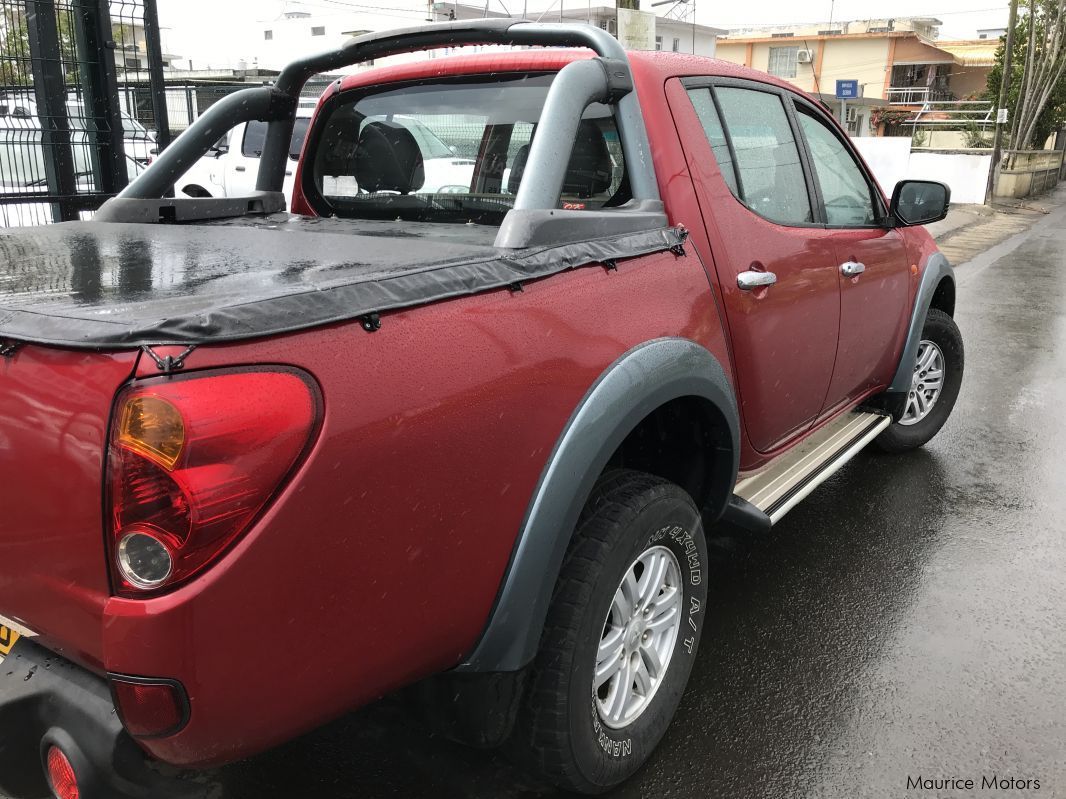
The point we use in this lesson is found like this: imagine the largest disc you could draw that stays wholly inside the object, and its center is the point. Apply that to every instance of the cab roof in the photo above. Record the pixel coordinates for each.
(648, 64)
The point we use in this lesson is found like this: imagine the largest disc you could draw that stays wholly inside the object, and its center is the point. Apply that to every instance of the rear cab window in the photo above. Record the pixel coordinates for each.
(451, 150)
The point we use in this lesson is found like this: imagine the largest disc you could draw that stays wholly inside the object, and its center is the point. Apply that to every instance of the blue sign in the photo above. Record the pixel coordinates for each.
(847, 89)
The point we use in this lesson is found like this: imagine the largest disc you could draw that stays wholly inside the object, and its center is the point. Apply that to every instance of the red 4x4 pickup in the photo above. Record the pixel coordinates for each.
(473, 439)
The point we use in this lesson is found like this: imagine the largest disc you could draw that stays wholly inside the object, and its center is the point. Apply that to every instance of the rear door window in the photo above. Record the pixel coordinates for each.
(770, 178)
(703, 102)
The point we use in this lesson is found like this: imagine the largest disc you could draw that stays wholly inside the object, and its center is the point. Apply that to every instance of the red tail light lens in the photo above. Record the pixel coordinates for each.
(150, 709)
(61, 775)
(193, 460)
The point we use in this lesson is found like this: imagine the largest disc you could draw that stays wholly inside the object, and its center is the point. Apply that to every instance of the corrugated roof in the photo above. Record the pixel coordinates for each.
(973, 52)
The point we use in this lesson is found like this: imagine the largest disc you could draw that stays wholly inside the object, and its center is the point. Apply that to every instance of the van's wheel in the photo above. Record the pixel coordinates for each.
(934, 386)
(621, 636)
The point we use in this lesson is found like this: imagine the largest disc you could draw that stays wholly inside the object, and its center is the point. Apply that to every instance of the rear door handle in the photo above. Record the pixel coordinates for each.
(852, 268)
(748, 281)
(239, 169)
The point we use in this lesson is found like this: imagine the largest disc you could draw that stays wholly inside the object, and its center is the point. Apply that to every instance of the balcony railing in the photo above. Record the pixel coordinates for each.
(954, 113)
(917, 95)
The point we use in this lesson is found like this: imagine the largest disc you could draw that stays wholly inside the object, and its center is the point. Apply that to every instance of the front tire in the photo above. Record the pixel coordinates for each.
(620, 638)
(935, 386)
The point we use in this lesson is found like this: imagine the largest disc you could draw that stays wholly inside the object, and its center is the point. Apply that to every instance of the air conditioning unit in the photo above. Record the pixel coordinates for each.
(804, 57)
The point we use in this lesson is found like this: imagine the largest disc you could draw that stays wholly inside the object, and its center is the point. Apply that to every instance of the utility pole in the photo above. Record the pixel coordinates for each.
(1001, 103)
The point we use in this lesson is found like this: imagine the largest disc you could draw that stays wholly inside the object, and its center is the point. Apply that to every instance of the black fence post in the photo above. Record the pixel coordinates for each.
(154, 44)
(96, 61)
(50, 90)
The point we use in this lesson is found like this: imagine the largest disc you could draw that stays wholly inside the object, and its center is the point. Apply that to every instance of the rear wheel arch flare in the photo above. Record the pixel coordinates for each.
(671, 380)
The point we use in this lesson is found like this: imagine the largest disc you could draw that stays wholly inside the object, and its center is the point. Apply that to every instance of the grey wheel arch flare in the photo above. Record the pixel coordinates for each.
(642, 380)
(936, 270)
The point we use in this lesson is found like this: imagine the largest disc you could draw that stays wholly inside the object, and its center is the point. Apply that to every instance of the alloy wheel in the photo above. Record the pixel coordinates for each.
(638, 638)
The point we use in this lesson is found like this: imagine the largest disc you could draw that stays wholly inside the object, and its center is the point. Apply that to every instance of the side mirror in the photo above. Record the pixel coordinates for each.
(919, 202)
(219, 150)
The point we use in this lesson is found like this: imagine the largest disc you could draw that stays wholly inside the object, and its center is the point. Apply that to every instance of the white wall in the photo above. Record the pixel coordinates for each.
(888, 157)
(965, 173)
(891, 160)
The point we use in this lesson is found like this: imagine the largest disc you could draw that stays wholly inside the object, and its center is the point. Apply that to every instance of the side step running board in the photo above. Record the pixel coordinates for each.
(787, 480)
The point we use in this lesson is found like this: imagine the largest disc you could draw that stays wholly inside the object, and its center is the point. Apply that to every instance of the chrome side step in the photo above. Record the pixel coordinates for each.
(787, 480)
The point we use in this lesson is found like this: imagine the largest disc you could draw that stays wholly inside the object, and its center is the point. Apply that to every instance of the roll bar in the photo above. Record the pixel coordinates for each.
(606, 79)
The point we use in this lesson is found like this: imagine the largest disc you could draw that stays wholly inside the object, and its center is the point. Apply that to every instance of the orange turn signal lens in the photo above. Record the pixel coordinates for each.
(154, 428)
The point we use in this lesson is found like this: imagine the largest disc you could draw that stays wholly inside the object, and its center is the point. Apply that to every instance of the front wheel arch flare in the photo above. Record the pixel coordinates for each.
(944, 296)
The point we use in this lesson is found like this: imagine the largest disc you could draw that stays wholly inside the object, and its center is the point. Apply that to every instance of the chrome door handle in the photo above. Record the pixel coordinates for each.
(852, 268)
(747, 281)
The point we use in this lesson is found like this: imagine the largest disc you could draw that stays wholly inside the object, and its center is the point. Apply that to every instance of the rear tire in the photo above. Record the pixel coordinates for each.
(946, 348)
(633, 585)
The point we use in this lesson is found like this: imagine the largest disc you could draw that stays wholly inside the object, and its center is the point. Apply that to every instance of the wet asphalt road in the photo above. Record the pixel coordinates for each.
(908, 619)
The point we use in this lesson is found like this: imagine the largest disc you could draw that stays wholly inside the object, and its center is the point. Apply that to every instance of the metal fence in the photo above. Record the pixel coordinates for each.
(66, 145)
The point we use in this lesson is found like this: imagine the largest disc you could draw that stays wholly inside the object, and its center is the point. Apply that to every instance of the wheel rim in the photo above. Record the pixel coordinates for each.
(638, 638)
(926, 384)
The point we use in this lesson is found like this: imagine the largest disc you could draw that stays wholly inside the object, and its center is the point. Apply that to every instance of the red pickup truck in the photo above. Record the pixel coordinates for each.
(261, 468)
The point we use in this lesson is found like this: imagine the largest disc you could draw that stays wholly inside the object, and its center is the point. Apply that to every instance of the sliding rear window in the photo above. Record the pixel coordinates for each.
(451, 150)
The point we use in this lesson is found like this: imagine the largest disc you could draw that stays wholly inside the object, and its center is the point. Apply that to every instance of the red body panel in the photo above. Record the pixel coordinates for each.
(379, 562)
(54, 410)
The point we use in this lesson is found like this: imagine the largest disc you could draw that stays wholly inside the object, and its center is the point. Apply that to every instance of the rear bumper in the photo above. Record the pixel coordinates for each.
(46, 700)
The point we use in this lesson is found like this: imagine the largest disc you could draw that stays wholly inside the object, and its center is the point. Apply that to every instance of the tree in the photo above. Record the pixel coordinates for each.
(1037, 96)
(14, 48)
(16, 61)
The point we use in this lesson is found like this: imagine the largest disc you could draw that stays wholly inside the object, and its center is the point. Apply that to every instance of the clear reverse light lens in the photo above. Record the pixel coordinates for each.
(144, 560)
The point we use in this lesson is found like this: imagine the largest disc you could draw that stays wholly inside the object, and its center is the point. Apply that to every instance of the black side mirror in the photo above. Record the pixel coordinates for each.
(219, 150)
(919, 202)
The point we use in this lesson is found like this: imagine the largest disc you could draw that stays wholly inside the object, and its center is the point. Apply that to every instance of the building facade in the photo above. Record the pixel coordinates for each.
(899, 66)
(301, 29)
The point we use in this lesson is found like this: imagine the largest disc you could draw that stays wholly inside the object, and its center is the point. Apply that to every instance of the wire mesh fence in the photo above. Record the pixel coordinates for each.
(87, 99)
(65, 143)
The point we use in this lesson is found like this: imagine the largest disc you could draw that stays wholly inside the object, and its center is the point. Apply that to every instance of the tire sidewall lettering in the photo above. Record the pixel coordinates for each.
(615, 744)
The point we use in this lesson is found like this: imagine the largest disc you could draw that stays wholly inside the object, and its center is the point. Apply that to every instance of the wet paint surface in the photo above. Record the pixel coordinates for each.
(907, 620)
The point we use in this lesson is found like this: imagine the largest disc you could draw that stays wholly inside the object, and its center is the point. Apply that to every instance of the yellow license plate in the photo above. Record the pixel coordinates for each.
(8, 639)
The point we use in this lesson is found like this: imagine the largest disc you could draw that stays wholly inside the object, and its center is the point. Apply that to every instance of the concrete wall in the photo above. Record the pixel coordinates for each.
(891, 160)
(965, 173)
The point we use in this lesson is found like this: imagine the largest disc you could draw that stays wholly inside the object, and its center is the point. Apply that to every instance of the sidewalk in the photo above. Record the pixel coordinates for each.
(970, 230)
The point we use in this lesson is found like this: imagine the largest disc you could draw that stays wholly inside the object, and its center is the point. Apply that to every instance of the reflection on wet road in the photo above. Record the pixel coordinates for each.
(907, 620)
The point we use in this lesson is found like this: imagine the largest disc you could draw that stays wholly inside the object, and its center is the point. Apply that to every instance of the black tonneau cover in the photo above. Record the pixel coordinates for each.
(110, 286)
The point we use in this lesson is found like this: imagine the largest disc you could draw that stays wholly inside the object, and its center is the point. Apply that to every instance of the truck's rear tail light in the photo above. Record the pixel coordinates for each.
(193, 460)
(150, 708)
(61, 775)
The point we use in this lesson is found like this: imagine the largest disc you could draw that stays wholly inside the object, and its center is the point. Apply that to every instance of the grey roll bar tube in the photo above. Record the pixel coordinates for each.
(199, 137)
(278, 104)
(577, 85)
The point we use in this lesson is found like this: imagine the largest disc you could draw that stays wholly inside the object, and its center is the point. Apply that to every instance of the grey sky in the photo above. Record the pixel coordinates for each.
(208, 31)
